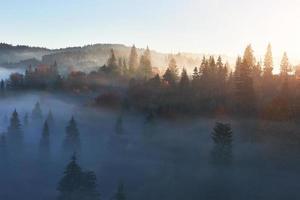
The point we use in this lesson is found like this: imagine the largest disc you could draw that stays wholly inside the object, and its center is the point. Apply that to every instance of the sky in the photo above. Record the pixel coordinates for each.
(199, 26)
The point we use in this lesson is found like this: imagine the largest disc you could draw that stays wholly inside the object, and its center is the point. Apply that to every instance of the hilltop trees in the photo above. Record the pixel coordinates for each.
(133, 60)
(284, 66)
(112, 64)
(145, 69)
(77, 184)
(245, 95)
(268, 63)
(268, 88)
(171, 74)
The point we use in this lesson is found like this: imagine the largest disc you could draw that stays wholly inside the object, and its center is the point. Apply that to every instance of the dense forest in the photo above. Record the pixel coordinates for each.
(214, 88)
(123, 117)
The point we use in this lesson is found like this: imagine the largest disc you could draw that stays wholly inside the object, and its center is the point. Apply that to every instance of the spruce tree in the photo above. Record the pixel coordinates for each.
(184, 80)
(173, 68)
(249, 58)
(72, 139)
(70, 185)
(112, 64)
(133, 60)
(37, 112)
(169, 78)
(14, 132)
(145, 69)
(285, 67)
(76, 184)
(268, 63)
(45, 140)
(222, 138)
(245, 95)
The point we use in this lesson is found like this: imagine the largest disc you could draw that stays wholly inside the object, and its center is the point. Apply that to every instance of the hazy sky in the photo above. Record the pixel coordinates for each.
(210, 26)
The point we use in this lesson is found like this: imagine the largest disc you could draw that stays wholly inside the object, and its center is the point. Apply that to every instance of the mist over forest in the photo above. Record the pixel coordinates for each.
(112, 122)
(85, 58)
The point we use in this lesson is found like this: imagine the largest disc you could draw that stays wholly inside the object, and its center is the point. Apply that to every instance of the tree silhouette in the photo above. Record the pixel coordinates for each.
(222, 137)
(72, 139)
(45, 140)
(145, 69)
(184, 80)
(112, 64)
(245, 95)
(133, 60)
(268, 63)
(14, 131)
(285, 67)
(76, 184)
(37, 112)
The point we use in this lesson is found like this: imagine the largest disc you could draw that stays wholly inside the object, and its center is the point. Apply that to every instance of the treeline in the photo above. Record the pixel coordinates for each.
(249, 89)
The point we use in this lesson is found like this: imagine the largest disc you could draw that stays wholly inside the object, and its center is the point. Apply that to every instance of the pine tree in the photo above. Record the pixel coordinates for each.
(245, 95)
(14, 132)
(76, 184)
(133, 60)
(112, 64)
(173, 68)
(169, 78)
(70, 185)
(184, 80)
(268, 64)
(120, 194)
(195, 74)
(196, 79)
(45, 140)
(145, 69)
(72, 139)
(285, 67)
(249, 58)
(222, 137)
(37, 112)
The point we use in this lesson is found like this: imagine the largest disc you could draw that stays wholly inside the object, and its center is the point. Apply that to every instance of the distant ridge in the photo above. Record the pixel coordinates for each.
(87, 57)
